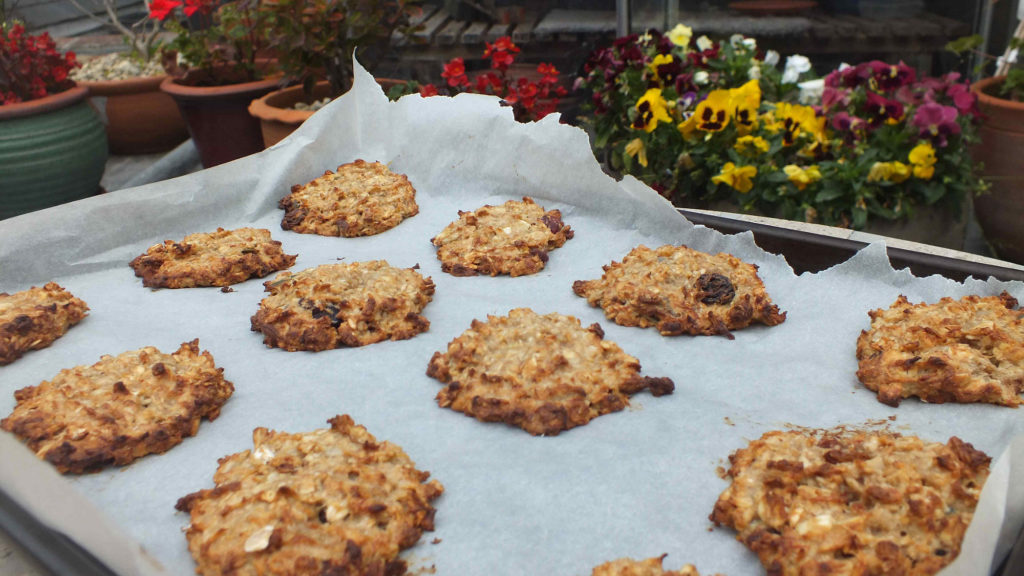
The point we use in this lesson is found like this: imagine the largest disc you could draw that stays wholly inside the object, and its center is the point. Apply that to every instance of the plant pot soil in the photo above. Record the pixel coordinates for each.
(52, 150)
(277, 114)
(140, 118)
(218, 118)
(1000, 212)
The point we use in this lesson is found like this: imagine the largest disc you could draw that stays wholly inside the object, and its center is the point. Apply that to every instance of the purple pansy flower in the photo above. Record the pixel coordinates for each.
(936, 122)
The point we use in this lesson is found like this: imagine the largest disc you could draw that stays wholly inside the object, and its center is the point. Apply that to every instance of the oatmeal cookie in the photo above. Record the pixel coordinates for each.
(34, 318)
(360, 199)
(852, 501)
(336, 305)
(544, 373)
(332, 501)
(679, 290)
(120, 408)
(648, 567)
(967, 350)
(512, 239)
(220, 258)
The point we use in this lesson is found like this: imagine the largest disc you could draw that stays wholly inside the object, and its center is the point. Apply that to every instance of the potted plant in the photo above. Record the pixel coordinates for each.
(216, 72)
(533, 92)
(715, 124)
(999, 209)
(125, 86)
(314, 42)
(53, 148)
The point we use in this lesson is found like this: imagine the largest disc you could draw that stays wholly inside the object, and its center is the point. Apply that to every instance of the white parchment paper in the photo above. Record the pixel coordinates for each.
(637, 483)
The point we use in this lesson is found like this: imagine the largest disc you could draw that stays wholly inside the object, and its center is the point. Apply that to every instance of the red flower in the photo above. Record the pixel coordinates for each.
(201, 6)
(549, 72)
(428, 90)
(503, 44)
(502, 53)
(159, 9)
(455, 73)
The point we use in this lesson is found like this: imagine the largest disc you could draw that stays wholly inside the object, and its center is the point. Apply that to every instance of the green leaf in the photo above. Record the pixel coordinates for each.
(964, 44)
(828, 193)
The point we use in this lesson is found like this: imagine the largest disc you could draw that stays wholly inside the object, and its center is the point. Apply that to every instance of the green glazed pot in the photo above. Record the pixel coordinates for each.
(52, 150)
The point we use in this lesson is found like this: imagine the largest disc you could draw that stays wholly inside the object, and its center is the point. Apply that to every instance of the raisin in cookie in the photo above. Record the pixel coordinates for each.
(852, 501)
(34, 318)
(544, 373)
(679, 290)
(512, 239)
(967, 350)
(360, 199)
(220, 258)
(330, 501)
(336, 305)
(120, 408)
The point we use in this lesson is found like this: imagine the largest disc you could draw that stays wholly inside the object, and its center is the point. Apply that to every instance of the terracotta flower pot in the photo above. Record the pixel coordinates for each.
(52, 150)
(218, 117)
(140, 118)
(276, 113)
(1001, 211)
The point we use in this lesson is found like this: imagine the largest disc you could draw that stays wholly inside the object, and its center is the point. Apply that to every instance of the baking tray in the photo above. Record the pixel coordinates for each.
(56, 555)
(457, 152)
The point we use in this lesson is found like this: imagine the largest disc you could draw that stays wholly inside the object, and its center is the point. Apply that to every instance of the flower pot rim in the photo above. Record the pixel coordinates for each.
(980, 87)
(262, 109)
(56, 101)
(133, 85)
(171, 86)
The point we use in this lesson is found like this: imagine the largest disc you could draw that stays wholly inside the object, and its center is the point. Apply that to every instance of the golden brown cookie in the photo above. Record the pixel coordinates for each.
(512, 239)
(360, 199)
(648, 567)
(679, 290)
(544, 373)
(220, 258)
(120, 408)
(34, 318)
(852, 501)
(967, 350)
(329, 502)
(336, 305)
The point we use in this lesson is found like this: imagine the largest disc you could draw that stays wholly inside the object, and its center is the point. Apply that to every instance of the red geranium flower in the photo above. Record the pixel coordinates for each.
(201, 6)
(160, 9)
(428, 90)
(455, 73)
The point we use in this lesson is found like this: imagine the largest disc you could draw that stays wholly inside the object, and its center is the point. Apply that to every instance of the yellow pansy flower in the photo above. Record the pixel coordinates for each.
(652, 109)
(751, 145)
(680, 35)
(923, 159)
(659, 60)
(688, 126)
(900, 172)
(636, 148)
(892, 171)
(745, 102)
(796, 120)
(801, 177)
(738, 177)
(714, 112)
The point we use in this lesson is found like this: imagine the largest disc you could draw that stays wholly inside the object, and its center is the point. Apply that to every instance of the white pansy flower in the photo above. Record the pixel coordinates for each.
(736, 40)
(844, 66)
(811, 91)
(755, 72)
(701, 78)
(704, 43)
(795, 66)
(771, 58)
(680, 35)
(750, 44)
